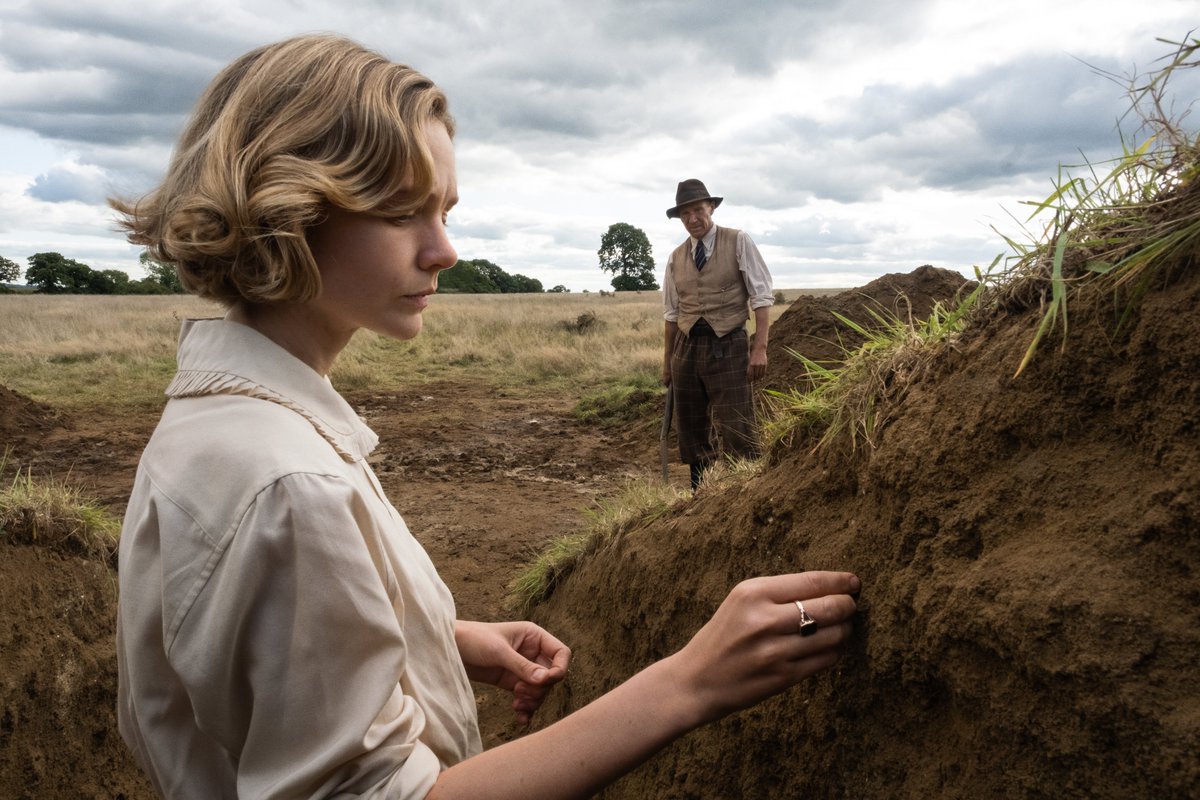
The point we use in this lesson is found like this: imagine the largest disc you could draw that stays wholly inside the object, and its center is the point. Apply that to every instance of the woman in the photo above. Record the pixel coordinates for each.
(281, 633)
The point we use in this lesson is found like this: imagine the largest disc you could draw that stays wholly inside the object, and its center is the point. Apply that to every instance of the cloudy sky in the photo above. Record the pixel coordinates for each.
(851, 138)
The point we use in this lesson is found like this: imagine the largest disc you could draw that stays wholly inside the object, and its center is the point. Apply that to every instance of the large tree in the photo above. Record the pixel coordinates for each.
(625, 252)
(51, 273)
(10, 271)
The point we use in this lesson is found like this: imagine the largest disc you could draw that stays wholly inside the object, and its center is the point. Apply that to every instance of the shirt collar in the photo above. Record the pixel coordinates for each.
(221, 357)
(709, 239)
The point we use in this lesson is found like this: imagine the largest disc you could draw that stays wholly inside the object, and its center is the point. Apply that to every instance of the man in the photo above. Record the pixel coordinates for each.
(708, 283)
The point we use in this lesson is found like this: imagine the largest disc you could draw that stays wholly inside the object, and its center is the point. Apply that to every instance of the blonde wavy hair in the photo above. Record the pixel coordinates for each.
(280, 135)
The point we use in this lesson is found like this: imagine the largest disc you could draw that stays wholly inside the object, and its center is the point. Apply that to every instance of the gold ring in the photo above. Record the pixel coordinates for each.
(808, 625)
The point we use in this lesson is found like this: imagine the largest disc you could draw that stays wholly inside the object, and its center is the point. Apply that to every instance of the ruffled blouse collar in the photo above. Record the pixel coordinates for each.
(217, 356)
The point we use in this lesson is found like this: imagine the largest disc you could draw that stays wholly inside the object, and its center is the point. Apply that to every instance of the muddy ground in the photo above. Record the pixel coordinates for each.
(1028, 547)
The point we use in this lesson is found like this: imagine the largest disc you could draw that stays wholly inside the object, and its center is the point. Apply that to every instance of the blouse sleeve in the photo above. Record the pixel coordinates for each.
(295, 655)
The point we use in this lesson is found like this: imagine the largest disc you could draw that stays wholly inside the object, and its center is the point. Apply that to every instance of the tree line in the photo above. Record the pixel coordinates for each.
(624, 252)
(53, 273)
(480, 276)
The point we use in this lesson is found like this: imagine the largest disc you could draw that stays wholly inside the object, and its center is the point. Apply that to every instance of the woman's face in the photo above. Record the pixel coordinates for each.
(379, 273)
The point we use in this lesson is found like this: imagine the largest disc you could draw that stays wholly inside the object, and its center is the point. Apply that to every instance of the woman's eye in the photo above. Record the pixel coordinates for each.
(400, 219)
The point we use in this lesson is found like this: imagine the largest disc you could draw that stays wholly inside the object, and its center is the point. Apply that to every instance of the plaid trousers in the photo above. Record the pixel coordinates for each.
(714, 408)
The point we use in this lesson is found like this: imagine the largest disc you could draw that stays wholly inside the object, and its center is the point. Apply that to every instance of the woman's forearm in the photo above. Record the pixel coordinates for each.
(580, 754)
(750, 649)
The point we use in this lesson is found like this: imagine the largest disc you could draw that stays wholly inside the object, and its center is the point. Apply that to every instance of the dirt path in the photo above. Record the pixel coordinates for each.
(485, 479)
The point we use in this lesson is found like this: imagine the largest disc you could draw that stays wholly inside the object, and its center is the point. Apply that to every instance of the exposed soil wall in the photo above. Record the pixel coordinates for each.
(1030, 616)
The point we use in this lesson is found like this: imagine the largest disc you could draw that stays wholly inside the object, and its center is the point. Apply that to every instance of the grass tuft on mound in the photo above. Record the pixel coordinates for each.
(638, 503)
(846, 401)
(1115, 232)
(52, 514)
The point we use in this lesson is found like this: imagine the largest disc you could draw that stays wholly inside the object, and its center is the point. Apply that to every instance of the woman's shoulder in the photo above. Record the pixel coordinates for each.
(251, 436)
(213, 456)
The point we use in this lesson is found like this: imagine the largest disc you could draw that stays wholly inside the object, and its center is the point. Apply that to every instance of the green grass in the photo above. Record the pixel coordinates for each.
(640, 502)
(845, 400)
(640, 397)
(1118, 227)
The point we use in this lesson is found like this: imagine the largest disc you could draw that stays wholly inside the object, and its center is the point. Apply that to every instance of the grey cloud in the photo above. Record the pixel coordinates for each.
(127, 31)
(815, 235)
(584, 238)
(142, 89)
(756, 37)
(478, 229)
(103, 129)
(1023, 118)
(988, 129)
(789, 172)
(601, 72)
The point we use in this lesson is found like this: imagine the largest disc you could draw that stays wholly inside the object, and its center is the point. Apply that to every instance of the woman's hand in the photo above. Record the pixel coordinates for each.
(517, 656)
(752, 647)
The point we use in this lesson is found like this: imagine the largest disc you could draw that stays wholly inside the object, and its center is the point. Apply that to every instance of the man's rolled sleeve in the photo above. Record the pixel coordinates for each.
(670, 296)
(757, 276)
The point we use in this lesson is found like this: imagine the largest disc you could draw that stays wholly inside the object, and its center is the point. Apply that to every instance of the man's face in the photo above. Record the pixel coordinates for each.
(697, 217)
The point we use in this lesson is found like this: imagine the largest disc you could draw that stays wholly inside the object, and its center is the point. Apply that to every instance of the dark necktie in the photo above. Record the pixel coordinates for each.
(701, 256)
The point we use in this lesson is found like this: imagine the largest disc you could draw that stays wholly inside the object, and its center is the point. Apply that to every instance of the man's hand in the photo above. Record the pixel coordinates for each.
(757, 368)
(517, 656)
(670, 331)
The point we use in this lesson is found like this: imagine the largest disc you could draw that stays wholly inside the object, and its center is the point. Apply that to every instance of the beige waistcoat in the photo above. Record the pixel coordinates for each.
(718, 292)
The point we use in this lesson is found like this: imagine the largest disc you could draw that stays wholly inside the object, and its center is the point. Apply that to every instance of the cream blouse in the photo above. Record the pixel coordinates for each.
(280, 633)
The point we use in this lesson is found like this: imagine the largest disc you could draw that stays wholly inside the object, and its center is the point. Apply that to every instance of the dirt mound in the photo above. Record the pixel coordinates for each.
(24, 422)
(1031, 607)
(58, 677)
(810, 328)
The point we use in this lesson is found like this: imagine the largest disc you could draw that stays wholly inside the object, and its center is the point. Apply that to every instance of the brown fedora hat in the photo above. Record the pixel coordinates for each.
(690, 191)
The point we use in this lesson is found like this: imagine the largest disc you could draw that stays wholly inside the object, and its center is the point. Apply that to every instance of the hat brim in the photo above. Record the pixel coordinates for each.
(673, 212)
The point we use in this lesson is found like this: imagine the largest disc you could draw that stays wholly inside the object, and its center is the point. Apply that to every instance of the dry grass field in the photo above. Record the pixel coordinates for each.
(80, 351)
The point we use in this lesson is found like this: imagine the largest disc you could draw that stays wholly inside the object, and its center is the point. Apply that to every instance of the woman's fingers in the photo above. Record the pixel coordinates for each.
(807, 617)
(801, 585)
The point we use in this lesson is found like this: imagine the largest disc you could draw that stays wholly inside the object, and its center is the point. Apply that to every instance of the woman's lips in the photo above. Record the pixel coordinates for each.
(419, 300)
